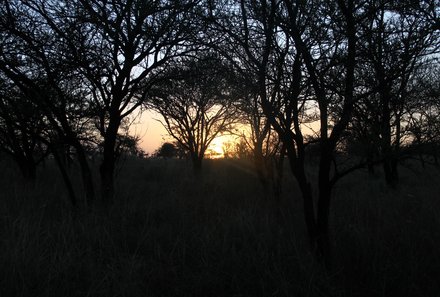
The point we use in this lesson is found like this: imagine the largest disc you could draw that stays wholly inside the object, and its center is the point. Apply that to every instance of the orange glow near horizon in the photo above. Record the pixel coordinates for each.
(150, 131)
(216, 149)
(152, 135)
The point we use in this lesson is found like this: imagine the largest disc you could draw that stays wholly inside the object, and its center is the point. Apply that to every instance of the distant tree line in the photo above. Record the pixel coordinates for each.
(341, 85)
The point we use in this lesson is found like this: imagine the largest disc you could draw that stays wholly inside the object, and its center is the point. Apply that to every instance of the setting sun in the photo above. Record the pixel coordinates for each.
(218, 146)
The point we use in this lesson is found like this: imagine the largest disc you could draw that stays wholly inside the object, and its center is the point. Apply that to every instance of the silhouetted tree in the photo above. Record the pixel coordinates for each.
(422, 109)
(128, 145)
(197, 105)
(329, 54)
(262, 141)
(27, 136)
(117, 47)
(21, 128)
(398, 42)
(124, 45)
(166, 150)
(34, 61)
(303, 56)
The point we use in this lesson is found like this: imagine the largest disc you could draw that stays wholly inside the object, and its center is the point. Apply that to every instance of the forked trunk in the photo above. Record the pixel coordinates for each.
(317, 224)
(298, 170)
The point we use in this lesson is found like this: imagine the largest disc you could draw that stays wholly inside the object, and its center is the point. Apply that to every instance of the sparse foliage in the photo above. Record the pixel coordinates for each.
(333, 86)
(197, 104)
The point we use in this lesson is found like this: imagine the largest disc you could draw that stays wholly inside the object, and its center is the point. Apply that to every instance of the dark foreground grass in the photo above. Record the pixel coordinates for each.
(170, 234)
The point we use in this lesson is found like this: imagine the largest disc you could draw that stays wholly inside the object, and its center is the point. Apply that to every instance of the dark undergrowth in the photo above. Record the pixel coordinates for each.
(170, 234)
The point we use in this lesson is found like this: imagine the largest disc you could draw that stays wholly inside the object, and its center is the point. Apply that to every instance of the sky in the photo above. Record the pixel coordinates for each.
(150, 131)
(152, 134)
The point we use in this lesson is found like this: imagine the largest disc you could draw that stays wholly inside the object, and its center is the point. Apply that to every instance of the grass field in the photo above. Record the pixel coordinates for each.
(170, 234)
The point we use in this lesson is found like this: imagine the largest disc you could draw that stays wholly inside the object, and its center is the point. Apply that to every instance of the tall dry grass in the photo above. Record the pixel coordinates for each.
(170, 234)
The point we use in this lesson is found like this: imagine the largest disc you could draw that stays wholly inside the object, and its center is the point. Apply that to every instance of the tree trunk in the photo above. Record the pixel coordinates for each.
(395, 152)
(386, 144)
(106, 171)
(107, 167)
(309, 212)
(66, 178)
(390, 170)
(371, 155)
(260, 167)
(86, 176)
(259, 164)
(434, 154)
(394, 169)
(28, 168)
(298, 170)
(197, 164)
(277, 180)
(325, 188)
